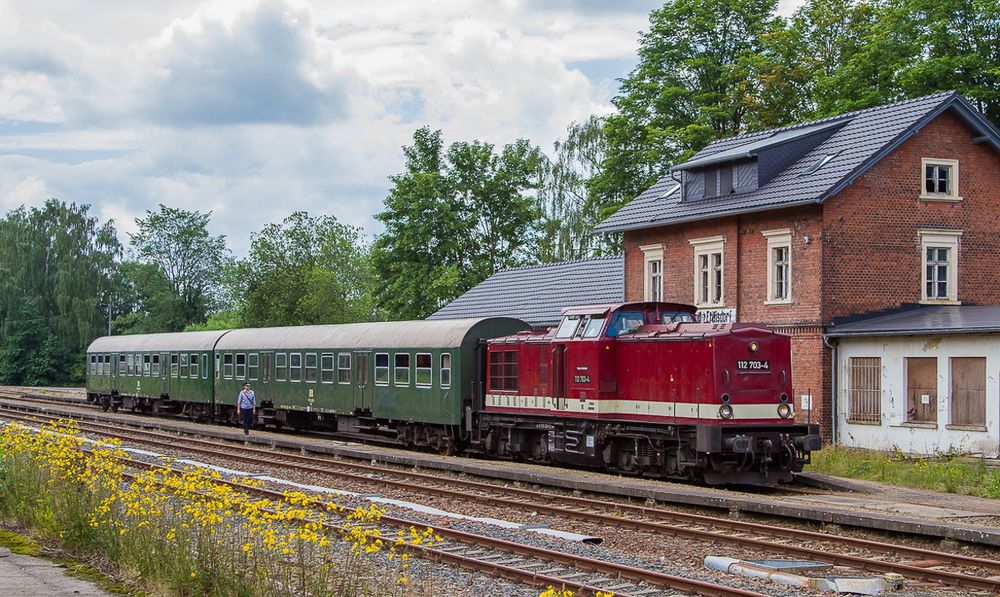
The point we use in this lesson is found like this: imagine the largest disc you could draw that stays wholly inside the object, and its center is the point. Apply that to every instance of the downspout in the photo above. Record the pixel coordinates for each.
(833, 387)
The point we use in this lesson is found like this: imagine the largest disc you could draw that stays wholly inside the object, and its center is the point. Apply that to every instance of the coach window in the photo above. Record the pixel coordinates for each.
(425, 370)
(130, 363)
(401, 371)
(173, 366)
(344, 367)
(121, 364)
(204, 366)
(184, 365)
(326, 367)
(280, 366)
(311, 364)
(194, 366)
(156, 365)
(218, 369)
(295, 366)
(381, 368)
(445, 370)
(145, 365)
(568, 326)
(227, 365)
(253, 366)
(241, 366)
(93, 364)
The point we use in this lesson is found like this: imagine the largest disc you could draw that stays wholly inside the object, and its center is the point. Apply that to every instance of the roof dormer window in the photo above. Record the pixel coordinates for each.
(718, 181)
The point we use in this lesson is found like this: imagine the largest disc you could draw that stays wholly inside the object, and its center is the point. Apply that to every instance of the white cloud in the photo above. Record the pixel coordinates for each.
(255, 109)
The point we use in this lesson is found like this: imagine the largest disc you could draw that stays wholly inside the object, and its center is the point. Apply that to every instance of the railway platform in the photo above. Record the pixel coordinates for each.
(28, 576)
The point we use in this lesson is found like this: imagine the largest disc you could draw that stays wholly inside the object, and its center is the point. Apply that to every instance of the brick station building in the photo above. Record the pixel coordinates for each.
(811, 225)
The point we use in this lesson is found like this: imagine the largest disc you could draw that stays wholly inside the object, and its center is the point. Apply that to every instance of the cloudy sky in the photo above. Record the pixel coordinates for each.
(255, 108)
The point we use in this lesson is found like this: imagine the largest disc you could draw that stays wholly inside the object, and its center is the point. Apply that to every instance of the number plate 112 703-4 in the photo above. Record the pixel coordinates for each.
(753, 365)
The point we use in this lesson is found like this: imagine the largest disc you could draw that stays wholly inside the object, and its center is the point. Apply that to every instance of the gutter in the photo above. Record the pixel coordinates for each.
(698, 218)
(833, 386)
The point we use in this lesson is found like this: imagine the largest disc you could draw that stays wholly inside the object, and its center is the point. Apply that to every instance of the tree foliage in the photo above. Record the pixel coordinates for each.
(56, 268)
(306, 270)
(176, 277)
(453, 218)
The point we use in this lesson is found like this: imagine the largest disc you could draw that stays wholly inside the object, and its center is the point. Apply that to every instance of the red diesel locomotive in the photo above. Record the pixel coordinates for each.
(641, 388)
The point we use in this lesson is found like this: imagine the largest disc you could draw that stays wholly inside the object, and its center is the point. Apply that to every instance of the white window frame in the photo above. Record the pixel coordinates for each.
(340, 367)
(396, 369)
(952, 166)
(652, 291)
(708, 247)
(445, 385)
(387, 368)
(947, 239)
(327, 364)
(428, 370)
(777, 239)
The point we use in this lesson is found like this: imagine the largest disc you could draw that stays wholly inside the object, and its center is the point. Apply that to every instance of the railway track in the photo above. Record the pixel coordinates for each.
(838, 550)
(514, 561)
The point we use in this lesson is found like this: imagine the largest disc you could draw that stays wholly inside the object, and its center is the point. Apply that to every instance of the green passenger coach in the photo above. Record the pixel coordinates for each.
(412, 381)
(408, 380)
(153, 372)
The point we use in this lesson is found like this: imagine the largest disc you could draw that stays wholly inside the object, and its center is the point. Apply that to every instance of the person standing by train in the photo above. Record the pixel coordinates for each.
(246, 407)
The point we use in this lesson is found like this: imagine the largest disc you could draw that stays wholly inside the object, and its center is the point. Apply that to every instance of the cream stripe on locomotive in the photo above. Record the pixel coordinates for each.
(629, 407)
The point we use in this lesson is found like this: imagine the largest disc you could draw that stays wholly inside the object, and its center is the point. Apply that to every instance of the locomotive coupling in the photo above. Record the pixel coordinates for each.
(739, 444)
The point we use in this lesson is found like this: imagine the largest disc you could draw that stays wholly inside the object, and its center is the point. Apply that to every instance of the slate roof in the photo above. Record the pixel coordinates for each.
(538, 293)
(945, 319)
(865, 137)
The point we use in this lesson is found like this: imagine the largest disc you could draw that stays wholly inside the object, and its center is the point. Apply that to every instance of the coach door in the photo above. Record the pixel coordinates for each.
(362, 385)
(263, 390)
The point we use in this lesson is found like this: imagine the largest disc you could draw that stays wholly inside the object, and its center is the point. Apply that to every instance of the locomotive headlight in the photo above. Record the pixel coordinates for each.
(784, 410)
(753, 347)
(726, 411)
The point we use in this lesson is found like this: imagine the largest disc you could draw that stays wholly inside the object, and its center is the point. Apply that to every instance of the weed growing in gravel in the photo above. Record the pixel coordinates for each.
(947, 472)
(188, 531)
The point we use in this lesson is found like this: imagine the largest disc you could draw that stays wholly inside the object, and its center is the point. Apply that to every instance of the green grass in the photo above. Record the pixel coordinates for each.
(948, 472)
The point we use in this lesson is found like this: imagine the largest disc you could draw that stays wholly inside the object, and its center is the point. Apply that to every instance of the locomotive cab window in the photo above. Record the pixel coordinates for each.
(625, 322)
(381, 368)
(401, 371)
(445, 370)
(295, 367)
(280, 366)
(594, 325)
(227, 365)
(676, 317)
(425, 373)
(194, 366)
(568, 326)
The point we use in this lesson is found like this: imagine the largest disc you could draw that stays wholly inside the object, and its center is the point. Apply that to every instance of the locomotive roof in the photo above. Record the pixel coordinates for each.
(443, 333)
(157, 342)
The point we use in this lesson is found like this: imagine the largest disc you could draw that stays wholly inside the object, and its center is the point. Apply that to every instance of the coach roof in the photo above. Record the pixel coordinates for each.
(172, 342)
(443, 333)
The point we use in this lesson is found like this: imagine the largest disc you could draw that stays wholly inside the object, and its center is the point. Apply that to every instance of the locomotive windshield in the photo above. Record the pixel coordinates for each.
(568, 326)
(594, 325)
(625, 322)
(676, 317)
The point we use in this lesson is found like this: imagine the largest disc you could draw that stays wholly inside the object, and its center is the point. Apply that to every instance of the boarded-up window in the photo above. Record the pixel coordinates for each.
(968, 391)
(921, 390)
(865, 390)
